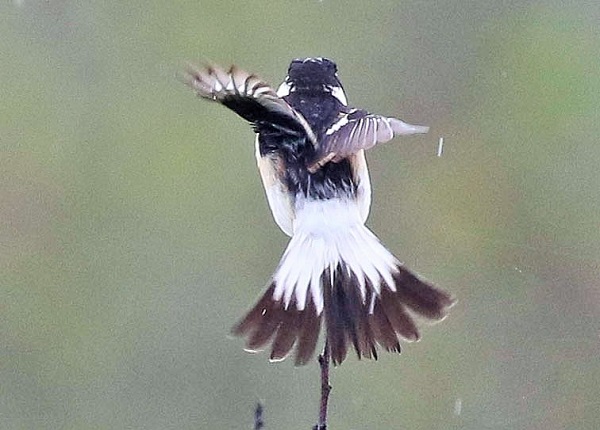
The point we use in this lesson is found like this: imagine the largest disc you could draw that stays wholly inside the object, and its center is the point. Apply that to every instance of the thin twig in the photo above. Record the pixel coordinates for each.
(324, 359)
(258, 417)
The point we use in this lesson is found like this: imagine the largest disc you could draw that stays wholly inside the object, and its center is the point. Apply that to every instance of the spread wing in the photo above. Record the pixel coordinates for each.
(357, 130)
(249, 97)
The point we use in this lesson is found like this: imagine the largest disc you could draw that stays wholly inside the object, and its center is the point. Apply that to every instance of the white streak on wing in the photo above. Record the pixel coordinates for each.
(231, 84)
(366, 135)
(384, 130)
(337, 125)
(217, 86)
(373, 130)
(375, 125)
(362, 126)
(352, 132)
(260, 90)
(238, 83)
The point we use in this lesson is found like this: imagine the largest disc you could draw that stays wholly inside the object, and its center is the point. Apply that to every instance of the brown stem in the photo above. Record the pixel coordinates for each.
(324, 360)
(258, 417)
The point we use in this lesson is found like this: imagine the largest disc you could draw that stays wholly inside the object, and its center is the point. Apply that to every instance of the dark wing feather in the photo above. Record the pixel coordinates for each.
(357, 130)
(249, 97)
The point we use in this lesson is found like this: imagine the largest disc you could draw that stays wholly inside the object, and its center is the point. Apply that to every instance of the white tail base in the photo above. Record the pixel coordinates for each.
(328, 233)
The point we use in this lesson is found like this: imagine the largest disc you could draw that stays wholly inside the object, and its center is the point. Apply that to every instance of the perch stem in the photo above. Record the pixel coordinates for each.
(324, 360)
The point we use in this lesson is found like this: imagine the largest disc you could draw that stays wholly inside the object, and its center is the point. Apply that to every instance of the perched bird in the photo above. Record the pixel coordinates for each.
(310, 150)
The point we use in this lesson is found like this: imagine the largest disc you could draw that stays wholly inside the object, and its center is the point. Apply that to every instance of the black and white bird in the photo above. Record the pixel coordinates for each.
(310, 150)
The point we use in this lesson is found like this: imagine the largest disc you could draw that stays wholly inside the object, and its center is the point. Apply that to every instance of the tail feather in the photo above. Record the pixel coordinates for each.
(286, 325)
(258, 313)
(287, 333)
(401, 321)
(263, 333)
(309, 334)
(342, 317)
(384, 331)
(420, 296)
(358, 313)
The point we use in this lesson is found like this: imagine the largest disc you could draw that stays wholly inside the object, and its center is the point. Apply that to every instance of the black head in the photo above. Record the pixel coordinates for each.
(312, 73)
(313, 76)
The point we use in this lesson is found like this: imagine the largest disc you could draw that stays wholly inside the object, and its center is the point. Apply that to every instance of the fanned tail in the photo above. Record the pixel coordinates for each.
(346, 276)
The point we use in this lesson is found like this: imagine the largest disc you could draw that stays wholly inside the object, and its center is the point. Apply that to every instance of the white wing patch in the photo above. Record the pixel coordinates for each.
(337, 125)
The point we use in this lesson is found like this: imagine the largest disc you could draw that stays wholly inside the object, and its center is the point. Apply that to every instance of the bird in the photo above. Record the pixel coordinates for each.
(310, 150)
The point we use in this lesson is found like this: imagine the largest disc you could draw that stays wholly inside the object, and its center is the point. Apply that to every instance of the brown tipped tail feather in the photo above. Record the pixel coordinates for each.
(379, 318)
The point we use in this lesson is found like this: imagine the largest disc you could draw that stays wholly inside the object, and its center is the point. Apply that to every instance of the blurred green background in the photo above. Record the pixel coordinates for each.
(134, 230)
